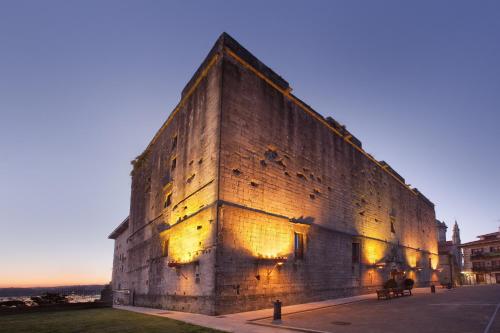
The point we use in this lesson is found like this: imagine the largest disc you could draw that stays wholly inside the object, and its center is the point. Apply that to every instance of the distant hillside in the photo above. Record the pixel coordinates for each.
(91, 289)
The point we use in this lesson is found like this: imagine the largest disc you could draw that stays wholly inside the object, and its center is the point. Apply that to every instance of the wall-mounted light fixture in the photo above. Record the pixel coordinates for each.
(378, 265)
(276, 262)
(179, 264)
(279, 260)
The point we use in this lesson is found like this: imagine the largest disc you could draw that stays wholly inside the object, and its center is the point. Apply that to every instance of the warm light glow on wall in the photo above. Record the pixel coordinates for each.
(411, 257)
(435, 260)
(188, 240)
(185, 249)
(373, 251)
(186, 209)
(271, 243)
(261, 236)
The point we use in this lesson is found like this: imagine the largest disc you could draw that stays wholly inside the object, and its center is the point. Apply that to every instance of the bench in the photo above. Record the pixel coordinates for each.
(383, 294)
(398, 291)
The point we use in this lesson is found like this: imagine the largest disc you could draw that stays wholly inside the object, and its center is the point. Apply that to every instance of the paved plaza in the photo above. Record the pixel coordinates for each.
(465, 309)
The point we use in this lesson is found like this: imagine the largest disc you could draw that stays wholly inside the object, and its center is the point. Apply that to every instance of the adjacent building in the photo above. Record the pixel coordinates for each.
(482, 259)
(450, 256)
(246, 195)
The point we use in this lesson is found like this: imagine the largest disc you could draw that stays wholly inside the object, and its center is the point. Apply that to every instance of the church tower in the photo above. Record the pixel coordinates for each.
(456, 242)
(456, 234)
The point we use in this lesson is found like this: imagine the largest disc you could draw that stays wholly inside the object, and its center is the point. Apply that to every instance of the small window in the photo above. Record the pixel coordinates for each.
(174, 142)
(173, 164)
(477, 251)
(168, 200)
(299, 246)
(355, 253)
(164, 248)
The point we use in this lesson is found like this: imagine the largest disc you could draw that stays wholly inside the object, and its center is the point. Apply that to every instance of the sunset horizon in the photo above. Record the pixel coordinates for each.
(194, 160)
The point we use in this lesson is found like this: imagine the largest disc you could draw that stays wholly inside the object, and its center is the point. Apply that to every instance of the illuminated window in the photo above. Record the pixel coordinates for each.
(299, 246)
(168, 200)
(174, 142)
(174, 164)
(355, 253)
(164, 248)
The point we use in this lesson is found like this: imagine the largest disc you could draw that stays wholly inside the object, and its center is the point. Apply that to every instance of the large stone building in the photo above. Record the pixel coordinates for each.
(482, 259)
(246, 195)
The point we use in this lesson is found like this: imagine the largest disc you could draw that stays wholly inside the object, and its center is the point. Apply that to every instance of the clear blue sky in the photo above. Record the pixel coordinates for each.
(84, 85)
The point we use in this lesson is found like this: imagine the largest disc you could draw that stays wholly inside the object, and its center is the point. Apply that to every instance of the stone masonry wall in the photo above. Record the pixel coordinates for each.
(239, 172)
(173, 194)
(119, 279)
(278, 160)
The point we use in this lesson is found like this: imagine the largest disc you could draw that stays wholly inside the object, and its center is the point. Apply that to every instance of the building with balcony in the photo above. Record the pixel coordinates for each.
(482, 259)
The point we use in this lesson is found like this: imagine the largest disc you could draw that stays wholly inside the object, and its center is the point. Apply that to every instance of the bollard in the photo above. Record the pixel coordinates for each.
(277, 311)
(433, 289)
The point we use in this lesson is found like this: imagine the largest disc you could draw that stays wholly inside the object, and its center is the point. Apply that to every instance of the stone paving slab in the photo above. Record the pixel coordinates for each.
(258, 321)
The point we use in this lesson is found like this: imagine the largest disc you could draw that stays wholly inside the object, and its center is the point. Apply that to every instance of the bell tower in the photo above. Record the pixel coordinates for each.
(456, 234)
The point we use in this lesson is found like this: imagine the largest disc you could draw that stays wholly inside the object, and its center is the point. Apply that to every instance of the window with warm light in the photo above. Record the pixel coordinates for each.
(168, 200)
(173, 164)
(164, 248)
(298, 245)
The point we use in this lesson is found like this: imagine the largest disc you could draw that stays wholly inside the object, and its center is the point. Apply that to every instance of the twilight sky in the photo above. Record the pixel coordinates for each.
(84, 85)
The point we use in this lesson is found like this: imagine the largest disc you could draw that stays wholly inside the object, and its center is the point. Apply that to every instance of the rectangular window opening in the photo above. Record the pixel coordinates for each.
(173, 164)
(298, 245)
(174, 142)
(168, 200)
(355, 253)
(164, 248)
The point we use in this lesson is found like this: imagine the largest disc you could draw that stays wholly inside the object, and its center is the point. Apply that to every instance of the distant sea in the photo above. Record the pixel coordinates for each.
(75, 294)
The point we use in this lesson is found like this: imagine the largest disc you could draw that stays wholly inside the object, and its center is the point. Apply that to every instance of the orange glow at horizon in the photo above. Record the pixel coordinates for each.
(51, 282)
(17, 279)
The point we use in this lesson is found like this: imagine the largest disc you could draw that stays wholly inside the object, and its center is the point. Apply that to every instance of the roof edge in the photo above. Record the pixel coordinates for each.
(119, 229)
(226, 41)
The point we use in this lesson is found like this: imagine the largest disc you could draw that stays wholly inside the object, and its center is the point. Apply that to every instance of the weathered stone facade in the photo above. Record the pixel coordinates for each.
(246, 195)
